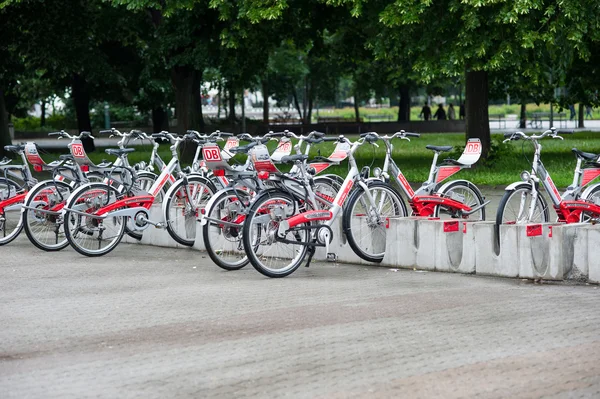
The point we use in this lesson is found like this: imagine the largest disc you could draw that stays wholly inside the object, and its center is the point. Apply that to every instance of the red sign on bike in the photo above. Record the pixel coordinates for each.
(77, 150)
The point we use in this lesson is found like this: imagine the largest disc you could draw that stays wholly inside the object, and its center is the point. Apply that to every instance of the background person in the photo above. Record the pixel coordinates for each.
(440, 114)
(425, 112)
(451, 112)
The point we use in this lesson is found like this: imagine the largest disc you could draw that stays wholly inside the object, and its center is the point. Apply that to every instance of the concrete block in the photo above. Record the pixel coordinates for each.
(199, 243)
(455, 246)
(494, 260)
(154, 236)
(411, 243)
(593, 242)
(545, 250)
(339, 246)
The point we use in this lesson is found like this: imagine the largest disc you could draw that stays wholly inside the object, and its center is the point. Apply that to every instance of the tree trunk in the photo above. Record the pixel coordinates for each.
(4, 133)
(232, 107)
(310, 108)
(476, 108)
(197, 119)
(160, 120)
(356, 110)
(297, 104)
(305, 99)
(404, 104)
(581, 116)
(182, 78)
(523, 118)
(265, 94)
(220, 100)
(43, 116)
(81, 99)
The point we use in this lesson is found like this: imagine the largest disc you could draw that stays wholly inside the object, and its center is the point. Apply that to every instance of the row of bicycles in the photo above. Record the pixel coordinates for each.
(249, 210)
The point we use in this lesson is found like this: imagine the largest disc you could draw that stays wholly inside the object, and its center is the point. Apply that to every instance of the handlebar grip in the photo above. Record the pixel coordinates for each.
(508, 135)
(570, 131)
(412, 134)
(158, 135)
(55, 134)
(265, 139)
(331, 138)
(276, 134)
(318, 134)
(105, 131)
(224, 134)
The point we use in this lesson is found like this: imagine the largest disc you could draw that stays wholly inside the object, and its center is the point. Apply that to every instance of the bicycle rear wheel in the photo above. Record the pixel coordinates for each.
(11, 223)
(44, 225)
(89, 235)
(466, 193)
(270, 255)
(223, 242)
(366, 222)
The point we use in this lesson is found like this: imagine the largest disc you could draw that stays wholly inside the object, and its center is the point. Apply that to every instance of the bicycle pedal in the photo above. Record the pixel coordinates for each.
(160, 225)
(331, 257)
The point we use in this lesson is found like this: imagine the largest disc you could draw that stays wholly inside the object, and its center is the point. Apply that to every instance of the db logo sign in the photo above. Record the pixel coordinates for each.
(473, 147)
(285, 146)
(231, 143)
(77, 151)
(211, 153)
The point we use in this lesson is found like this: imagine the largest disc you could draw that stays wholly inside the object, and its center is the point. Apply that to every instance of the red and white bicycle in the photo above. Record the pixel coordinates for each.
(456, 199)
(523, 202)
(97, 214)
(284, 225)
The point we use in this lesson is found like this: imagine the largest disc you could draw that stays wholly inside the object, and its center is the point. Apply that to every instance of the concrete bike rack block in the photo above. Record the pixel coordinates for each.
(340, 247)
(491, 260)
(199, 242)
(455, 246)
(154, 236)
(593, 260)
(409, 244)
(545, 250)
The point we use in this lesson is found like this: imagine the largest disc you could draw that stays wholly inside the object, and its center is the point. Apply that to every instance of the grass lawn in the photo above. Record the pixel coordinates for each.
(415, 160)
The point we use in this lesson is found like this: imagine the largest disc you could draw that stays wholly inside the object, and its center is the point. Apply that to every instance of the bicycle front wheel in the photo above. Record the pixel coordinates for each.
(90, 235)
(42, 219)
(222, 232)
(269, 254)
(183, 203)
(515, 207)
(366, 219)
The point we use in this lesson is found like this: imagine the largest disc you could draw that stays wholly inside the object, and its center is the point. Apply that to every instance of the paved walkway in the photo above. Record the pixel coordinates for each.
(154, 323)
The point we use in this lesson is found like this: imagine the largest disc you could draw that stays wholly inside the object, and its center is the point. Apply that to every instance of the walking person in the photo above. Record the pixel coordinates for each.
(451, 112)
(440, 113)
(588, 112)
(572, 109)
(425, 112)
(461, 111)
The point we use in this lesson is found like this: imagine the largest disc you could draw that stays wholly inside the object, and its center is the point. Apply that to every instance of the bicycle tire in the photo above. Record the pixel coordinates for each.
(225, 207)
(38, 225)
(15, 230)
(253, 234)
(174, 203)
(468, 187)
(353, 221)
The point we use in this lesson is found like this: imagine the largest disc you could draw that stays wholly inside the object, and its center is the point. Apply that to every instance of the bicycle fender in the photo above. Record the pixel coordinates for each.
(443, 188)
(517, 184)
(586, 193)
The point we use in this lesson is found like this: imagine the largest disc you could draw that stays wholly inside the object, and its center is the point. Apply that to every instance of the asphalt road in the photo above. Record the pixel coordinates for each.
(154, 322)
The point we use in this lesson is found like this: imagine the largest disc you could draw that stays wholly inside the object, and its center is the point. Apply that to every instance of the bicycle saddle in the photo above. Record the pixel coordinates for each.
(14, 148)
(322, 159)
(119, 151)
(242, 148)
(439, 148)
(588, 156)
(293, 158)
(66, 157)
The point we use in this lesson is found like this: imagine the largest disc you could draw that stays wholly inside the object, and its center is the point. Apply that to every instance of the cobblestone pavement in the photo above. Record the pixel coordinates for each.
(154, 322)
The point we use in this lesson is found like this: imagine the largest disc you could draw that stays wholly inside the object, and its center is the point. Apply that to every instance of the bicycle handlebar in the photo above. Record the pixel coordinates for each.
(552, 132)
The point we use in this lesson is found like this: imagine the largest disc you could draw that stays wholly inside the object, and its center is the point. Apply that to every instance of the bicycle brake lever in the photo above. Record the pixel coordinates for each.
(558, 137)
(505, 141)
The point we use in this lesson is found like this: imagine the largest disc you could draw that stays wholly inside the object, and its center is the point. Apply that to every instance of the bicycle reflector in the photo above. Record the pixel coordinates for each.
(525, 176)
(263, 175)
(219, 172)
(85, 168)
(37, 168)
